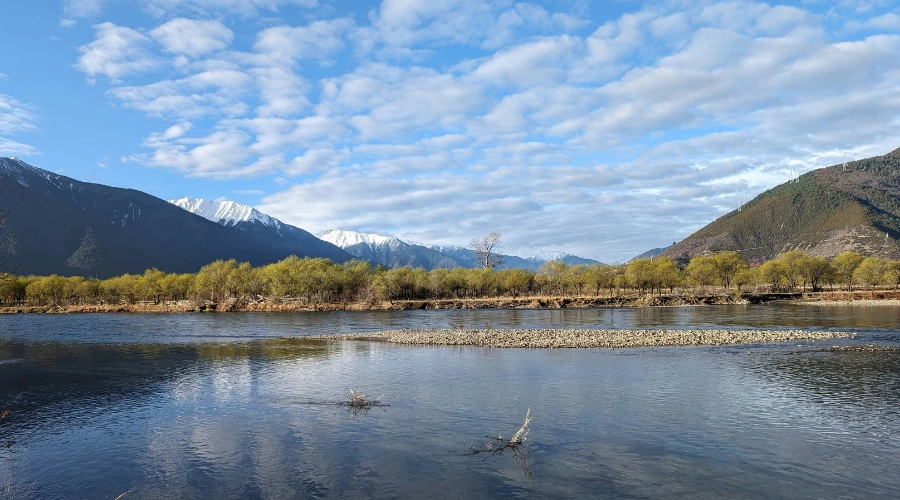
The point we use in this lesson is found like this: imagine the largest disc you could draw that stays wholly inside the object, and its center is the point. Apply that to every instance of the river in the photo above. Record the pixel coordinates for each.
(229, 406)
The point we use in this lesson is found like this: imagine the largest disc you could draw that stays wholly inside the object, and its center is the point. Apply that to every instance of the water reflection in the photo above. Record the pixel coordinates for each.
(224, 327)
(136, 406)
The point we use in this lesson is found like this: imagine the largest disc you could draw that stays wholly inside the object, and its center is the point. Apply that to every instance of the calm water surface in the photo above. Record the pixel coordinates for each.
(215, 406)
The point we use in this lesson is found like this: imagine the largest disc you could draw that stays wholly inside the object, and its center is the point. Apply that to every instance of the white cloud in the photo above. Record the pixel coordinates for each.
(79, 9)
(191, 37)
(12, 148)
(516, 118)
(212, 92)
(885, 22)
(116, 51)
(539, 63)
(282, 45)
(208, 7)
(15, 117)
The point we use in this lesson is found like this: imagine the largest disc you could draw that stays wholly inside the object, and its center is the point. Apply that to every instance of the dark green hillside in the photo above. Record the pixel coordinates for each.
(823, 212)
(59, 225)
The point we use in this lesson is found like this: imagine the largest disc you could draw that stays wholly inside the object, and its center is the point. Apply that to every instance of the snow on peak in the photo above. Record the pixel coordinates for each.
(12, 163)
(226, 212)
(533, 253)
(346, 239)
(22, 172)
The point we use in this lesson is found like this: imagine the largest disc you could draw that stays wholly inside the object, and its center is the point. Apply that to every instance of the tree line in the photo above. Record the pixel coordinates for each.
(317, 281)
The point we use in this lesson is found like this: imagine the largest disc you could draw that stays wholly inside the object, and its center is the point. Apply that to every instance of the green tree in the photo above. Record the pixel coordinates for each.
(554, 272)
(702, 270)
(892, 274)
(871, 272)
(640, 274)
(747, 277)
(666, 274)
(774, 273)
(727, 265)
(212, 280)
(815, 271)
(518, 281)
(597, 277)
(152, 285)
(845, 265)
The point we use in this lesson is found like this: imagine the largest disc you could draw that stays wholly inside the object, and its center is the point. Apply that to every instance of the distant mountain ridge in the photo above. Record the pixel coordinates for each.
(226, 213)
(850, 206)
(59, 225)
(266, 229)
(388, 251)
(393, 252)
(653, 252)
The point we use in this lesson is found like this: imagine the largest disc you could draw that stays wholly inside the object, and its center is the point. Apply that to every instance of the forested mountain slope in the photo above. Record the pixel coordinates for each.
(852, 206)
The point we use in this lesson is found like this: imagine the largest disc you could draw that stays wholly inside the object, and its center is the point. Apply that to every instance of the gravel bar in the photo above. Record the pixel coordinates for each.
(571, 338)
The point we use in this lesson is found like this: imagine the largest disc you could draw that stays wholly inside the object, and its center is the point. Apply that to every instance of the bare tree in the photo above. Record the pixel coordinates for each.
(486, 250)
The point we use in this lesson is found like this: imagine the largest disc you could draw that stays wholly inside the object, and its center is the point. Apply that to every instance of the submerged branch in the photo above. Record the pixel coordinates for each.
(515, 444)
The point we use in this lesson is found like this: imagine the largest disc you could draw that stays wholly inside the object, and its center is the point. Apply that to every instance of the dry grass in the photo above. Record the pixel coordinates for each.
(359, 400)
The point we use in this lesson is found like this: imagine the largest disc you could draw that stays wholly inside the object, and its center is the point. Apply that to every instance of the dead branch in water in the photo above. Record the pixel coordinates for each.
(357, 402)
(515, 444)
(123, 494)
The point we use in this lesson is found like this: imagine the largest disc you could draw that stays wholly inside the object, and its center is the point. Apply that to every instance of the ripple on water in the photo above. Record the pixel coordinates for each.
(227, 419)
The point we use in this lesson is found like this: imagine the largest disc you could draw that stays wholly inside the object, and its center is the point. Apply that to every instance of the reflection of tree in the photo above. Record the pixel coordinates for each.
(62, 374)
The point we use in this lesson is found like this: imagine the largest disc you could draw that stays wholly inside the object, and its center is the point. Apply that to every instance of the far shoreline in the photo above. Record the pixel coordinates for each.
(839, 299)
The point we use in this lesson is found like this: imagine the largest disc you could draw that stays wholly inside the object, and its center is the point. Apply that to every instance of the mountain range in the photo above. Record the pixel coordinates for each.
(59, 225)
(850, 206)
(55, 224)
(387, 251)
(393, 252)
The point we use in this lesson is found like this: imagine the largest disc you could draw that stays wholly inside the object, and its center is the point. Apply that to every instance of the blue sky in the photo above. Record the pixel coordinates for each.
(599, 128)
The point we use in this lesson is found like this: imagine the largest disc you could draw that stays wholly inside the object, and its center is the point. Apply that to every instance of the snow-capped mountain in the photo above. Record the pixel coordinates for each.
(534, 253)
(60, 225)
(226, 212)
(393, 252)
(535, 257)
(387, 251)
(347, 239)
(265, 228)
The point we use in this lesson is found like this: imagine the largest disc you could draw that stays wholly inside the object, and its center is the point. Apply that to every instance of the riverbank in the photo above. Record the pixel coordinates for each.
(582, 338)
(854, 302)
(405, 305)
(676, 300)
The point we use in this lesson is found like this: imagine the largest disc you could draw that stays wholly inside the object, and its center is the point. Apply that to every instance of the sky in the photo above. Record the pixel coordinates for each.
(602, 129)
